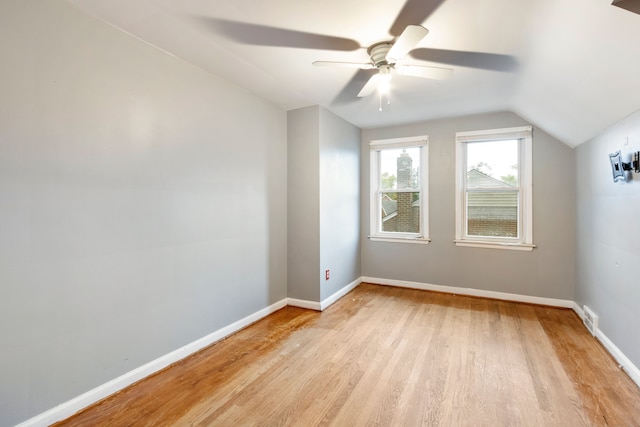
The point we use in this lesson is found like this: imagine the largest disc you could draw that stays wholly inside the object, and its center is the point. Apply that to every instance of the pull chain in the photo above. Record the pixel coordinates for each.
(380, 101)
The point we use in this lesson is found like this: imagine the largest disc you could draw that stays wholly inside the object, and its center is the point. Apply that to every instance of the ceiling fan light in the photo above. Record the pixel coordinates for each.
(385, 85)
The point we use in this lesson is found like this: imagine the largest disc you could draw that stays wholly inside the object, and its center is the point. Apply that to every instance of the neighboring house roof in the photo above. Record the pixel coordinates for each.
(389, 208)
(476, 179)
(486, 200)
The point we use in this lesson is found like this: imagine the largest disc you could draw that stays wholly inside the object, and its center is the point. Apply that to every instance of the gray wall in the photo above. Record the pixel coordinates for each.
(303, 198)
(339, 203)
(324, 203)
(548, 271)
(608, 237)
(135, 190)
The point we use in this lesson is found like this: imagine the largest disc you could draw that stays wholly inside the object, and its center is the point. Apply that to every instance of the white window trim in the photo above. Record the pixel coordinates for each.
(375, 234)
(525, 242)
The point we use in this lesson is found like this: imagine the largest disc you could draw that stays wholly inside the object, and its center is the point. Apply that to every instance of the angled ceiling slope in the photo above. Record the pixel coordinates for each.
(568, 66)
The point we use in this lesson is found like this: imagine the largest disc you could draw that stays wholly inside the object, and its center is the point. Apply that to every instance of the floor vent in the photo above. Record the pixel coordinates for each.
(590, 320)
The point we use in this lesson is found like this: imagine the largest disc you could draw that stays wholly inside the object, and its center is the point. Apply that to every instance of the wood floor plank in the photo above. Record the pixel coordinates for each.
(389, 357)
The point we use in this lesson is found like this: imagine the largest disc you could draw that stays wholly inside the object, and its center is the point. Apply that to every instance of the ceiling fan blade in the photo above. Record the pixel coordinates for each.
(630, 5)
(370, 86)
(435, 73)
(410, 37)
(360, 65)
(413, 12)
(264, 35)
(349, 92)
(480, 60)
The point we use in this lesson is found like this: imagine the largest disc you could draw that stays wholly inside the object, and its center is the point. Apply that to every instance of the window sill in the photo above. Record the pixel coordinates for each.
(415, 240)
(495, 245)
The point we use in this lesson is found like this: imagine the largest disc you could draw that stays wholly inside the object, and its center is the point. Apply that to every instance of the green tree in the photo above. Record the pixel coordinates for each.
(483, 167)
(388, 181)
(511, 179)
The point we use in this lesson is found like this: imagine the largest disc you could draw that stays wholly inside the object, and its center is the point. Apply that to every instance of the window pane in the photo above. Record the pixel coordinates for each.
(400, 212)
(400, 168)
(492, 164)
(492, 214)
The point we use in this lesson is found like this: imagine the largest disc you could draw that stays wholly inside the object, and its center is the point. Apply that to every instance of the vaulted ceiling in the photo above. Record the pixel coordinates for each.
(571, 67)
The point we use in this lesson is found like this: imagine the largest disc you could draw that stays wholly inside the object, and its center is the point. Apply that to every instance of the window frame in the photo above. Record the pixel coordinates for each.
(375, 222)
(524, 136)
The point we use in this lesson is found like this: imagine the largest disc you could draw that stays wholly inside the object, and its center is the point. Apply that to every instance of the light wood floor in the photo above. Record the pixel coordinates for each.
(389, 357)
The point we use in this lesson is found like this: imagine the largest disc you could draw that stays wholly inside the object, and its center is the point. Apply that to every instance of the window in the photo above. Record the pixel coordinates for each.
(494, 188)
(399, 190)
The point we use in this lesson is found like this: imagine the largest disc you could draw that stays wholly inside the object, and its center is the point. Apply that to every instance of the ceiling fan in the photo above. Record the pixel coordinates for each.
(386, 57)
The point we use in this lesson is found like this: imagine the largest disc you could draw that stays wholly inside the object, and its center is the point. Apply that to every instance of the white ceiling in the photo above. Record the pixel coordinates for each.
(571, 67)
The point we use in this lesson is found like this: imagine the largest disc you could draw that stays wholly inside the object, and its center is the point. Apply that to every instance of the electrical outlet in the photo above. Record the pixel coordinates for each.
(326, 275)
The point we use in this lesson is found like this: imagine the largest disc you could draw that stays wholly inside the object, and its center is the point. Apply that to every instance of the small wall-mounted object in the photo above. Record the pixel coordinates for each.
(620, 169)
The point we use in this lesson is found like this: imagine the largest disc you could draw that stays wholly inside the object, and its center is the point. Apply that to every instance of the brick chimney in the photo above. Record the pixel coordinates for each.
(405, 211)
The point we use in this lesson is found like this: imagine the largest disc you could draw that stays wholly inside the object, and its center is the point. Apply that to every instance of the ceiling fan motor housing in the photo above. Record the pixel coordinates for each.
(378, 53)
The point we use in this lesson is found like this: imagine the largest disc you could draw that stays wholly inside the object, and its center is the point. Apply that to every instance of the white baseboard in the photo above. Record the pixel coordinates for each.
(618, 355)
(339, 294)
(578, 310)
(72, 406)
(325, 303)
(303, 303)
(553, 302)
(67, 409)
(624, 362)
